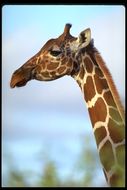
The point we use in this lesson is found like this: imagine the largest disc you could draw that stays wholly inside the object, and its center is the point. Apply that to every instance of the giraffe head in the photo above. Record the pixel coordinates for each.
(58, 57)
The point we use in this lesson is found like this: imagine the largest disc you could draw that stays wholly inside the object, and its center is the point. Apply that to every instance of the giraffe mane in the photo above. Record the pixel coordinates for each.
(91, 50)
(111, 83)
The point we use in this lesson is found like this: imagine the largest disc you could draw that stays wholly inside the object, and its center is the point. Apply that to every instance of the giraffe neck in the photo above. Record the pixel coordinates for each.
(106, 114)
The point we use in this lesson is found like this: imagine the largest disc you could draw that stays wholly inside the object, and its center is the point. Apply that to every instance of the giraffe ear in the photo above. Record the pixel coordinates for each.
(84, 38)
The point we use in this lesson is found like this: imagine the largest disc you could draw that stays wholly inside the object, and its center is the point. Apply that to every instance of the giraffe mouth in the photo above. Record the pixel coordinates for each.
(17, 83)
(18, 80)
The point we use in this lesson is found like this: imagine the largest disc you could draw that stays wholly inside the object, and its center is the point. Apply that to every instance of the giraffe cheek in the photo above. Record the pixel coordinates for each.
(61, 70)
(52, 66)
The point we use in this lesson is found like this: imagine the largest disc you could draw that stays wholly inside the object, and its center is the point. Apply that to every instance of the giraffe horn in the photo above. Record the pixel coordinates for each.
(67, 29)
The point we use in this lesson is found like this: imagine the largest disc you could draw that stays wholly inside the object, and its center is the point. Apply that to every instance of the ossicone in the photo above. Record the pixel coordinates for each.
(67, 29)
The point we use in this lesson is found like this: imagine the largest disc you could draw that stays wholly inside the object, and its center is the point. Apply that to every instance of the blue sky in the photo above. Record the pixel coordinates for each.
(35, 15)
(55, 110)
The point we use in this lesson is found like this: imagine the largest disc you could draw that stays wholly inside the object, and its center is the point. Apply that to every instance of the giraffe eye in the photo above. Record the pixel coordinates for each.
(55, 52)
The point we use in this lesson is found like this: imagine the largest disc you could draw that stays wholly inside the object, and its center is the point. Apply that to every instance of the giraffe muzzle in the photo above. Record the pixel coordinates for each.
(17, 81)
(20, 78)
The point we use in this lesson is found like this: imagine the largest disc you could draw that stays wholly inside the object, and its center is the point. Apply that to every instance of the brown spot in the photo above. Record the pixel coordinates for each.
(101, 84)
(98, 72)
(33, 60)
(61, 69)
(62, 56)
(98, 112)
(73, 55)
(39, 60)
(64, 60)
(58, 59)
(109, 99)
(76, 66)
(115, 115)
(43, 65)
(120, 154)
(88, 65)
(82, 72)
(45, 74)
(118, 178)
(38, 68)
(46, 58)
(69, 64)
(92, 56)
(68, 53)
(52, 65)
(106, 156)
(89, 89)
(116, 131)
(100, 134)
(53, 73)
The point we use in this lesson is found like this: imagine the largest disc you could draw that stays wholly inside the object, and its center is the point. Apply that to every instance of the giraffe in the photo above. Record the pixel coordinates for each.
(78, 58)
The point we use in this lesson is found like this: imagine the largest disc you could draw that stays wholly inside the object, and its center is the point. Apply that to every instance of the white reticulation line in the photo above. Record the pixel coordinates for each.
(102, 142)
(109, 174)
(117, 122)
(85, 77)
(120, 143)
(99, 124)
(92, 102)
(112, 107)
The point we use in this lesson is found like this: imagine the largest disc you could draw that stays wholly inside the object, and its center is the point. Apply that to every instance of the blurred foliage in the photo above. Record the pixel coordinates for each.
(16, 179)
(50, 176)
(85, 167)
